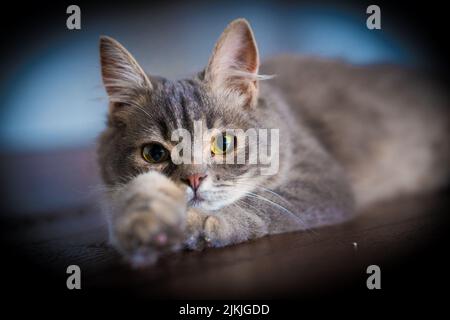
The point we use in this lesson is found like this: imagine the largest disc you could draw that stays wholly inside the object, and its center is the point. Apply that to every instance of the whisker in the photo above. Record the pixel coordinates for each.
(143, 110)
(248, 205)
(261, 197)
(291, 214)
(257, 196)
(267, 190)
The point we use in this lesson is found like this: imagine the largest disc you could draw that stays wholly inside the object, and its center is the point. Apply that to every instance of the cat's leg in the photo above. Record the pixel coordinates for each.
(148, 218)
(307, 200)
(233, 227)
(224, 227)
(194, 229)
(317, 193)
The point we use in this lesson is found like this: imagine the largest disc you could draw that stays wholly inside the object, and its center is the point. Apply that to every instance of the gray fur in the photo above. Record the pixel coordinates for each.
(349, 136)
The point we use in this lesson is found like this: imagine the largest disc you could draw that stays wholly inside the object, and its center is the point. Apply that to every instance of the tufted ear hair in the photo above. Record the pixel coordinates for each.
(120, 71)
(234, 63)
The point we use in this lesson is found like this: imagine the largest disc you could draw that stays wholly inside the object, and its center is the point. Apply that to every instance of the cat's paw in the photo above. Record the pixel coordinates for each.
(217, 232)
(207, 231)
(194, 230)
(152, 219)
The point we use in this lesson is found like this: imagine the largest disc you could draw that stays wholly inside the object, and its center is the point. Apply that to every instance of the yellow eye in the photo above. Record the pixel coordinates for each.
(222, 143)
(154, 153)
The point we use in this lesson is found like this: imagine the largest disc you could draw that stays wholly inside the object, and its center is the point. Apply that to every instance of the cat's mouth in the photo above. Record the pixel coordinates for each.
(196, 200)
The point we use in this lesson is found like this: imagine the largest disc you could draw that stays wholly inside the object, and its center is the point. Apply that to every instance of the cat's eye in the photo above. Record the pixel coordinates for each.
(223, 143)
(154, 153)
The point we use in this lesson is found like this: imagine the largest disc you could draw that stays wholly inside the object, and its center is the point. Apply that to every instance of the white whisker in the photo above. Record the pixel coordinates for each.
(290, 213)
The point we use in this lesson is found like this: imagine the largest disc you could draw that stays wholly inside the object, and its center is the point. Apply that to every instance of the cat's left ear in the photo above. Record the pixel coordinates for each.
(120, 71)
(234, 63)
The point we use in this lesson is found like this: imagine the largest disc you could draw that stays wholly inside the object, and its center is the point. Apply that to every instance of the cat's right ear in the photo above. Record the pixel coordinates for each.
(120, 71)
(233, 66)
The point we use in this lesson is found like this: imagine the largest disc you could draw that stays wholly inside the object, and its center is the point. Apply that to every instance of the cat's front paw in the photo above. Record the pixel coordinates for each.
(207, 231)
(217, 232)
(152, 220)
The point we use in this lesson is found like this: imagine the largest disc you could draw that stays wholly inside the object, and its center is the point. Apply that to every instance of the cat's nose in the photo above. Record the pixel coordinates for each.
(194, 180)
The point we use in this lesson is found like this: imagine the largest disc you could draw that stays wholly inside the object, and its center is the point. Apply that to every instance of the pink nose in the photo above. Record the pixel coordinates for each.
(194, 180)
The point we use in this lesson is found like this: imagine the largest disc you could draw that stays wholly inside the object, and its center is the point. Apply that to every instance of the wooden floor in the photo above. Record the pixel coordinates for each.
(329, 260)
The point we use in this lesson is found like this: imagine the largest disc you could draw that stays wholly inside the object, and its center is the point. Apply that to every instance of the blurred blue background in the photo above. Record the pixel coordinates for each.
(54, 105)
(52, 94)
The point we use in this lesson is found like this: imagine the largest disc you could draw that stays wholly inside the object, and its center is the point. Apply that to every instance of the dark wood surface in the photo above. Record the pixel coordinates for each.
(332, 259)
(405, 237)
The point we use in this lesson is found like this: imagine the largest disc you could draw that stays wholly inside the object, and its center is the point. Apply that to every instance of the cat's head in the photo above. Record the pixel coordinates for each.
(146, 110)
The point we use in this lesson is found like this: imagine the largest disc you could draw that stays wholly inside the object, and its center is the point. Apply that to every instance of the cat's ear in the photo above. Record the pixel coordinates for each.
(120, 71)
(233, 66)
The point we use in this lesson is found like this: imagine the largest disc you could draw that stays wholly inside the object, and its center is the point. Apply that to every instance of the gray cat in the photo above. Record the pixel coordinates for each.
(348, 136)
